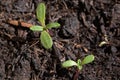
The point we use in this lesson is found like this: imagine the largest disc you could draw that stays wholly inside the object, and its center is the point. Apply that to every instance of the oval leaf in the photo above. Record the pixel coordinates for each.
(69, 63)
(88, 59)
(40, 12)
(53, 25)
(46, 40)
(36, 28)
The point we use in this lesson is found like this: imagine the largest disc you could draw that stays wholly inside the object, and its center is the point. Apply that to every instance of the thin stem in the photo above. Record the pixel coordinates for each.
(76, 75)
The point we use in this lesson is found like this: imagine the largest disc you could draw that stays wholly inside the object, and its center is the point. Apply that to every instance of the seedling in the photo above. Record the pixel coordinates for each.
(102, 43)
(45, 37)
(79, 64)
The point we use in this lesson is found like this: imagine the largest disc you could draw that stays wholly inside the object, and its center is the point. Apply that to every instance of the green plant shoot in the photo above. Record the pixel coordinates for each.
(79, 63)
(45, 37)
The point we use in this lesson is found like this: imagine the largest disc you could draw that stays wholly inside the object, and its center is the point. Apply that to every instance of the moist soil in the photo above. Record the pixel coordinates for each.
(84, 25)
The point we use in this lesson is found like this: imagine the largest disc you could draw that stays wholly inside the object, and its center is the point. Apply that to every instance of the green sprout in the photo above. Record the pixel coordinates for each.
(45, 37)
(102, 43)
(79, 64)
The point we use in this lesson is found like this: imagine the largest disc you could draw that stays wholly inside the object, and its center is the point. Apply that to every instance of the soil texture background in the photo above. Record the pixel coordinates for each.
(84, 25)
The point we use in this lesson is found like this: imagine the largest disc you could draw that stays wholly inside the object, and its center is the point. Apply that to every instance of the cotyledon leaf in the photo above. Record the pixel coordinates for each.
(36, 28)
(53, 25)
(69, 63)
(46, 40)
(87, 59)
(40, 12)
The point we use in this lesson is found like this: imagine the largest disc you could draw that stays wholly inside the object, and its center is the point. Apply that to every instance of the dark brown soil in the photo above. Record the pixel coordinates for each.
(84, 25)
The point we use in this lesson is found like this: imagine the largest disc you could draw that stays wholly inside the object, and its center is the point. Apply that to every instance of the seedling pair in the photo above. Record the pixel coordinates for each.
(45, 37)
(79, 64)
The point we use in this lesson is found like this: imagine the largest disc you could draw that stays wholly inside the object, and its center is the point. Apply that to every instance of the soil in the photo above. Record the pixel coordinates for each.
(84, 25)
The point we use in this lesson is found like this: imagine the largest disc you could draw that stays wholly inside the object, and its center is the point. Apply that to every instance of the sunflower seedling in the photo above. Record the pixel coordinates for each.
(45, 37)
(79, 64)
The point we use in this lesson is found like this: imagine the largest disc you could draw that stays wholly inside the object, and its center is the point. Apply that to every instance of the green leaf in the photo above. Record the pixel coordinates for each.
(69, 63)
(88, 59)
(40, 12)
(36, 28)
(53, 25)
(46, 40)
